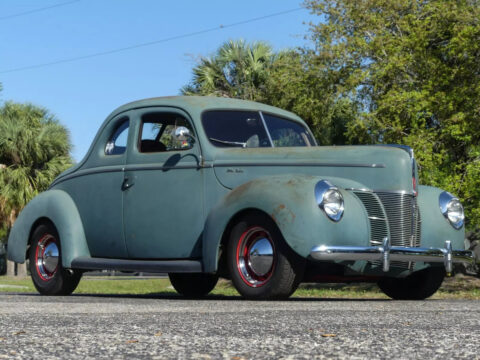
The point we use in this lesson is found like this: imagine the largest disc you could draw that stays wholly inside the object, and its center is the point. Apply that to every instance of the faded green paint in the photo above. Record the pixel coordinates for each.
(58, 207)
(392, 171)
(182, 209)
(435, 227)
(290, 201)
(163, 216)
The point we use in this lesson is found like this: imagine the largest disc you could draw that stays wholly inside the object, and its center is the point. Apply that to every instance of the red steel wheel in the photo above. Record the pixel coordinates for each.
(255, 256)
(46, 257)
(48, 274)
(260, 263)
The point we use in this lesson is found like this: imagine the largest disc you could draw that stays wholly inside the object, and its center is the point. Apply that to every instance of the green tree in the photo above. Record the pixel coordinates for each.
(34, 149)
(298, 84)
(237, 70)
(289, 79)
(413, 68)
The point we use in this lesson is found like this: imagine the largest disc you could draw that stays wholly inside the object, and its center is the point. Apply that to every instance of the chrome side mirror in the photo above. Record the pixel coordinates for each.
(181, 133)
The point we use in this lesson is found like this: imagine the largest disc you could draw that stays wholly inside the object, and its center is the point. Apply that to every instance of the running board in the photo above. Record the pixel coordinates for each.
(154, 266)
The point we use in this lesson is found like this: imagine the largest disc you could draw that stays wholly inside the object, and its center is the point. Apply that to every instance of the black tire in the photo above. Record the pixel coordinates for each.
(281, 273)
(50, 281)
(193, 285)
(417, 286)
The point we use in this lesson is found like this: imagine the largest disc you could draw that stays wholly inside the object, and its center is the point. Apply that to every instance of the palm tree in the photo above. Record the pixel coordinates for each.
(237, 70)
(34, 149)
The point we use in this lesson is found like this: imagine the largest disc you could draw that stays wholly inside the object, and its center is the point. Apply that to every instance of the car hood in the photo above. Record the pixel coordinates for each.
(376, 168)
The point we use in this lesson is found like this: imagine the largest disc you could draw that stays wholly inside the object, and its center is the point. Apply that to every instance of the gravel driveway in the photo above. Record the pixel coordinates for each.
(81, 327)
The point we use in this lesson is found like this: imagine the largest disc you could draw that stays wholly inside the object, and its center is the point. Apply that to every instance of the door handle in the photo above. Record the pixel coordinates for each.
(126, 184)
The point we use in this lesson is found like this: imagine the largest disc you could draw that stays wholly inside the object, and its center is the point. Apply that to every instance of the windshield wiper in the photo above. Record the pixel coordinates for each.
(232, 143)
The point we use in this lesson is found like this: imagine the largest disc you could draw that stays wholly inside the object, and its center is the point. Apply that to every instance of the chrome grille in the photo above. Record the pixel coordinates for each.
(376, 215)
(395, 215)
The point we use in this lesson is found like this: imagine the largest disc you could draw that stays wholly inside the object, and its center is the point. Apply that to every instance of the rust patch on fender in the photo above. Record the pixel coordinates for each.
(283, 215)
(237, 193)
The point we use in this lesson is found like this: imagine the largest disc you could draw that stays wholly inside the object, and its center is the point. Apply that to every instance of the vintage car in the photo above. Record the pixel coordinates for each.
(205, 187)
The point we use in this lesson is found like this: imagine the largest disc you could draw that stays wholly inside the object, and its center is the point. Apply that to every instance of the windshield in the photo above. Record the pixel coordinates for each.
(246, 129)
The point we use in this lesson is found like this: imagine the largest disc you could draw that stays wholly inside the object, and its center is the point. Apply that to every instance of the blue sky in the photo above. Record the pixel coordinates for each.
(82, 93)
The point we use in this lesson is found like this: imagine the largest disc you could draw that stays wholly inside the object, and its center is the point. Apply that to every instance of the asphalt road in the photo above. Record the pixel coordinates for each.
(79, 327)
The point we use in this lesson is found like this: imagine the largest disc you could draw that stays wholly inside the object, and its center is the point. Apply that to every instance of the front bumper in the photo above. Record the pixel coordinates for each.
(387, 253)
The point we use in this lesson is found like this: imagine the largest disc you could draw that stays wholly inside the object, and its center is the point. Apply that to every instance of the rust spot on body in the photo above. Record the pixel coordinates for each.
(283, 215)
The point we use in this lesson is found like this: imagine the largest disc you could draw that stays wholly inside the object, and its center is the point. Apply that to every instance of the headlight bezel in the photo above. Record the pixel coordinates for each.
(324, 191)
(446, 202)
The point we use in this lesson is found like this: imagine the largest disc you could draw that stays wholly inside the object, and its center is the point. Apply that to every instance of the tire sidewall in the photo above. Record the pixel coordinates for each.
(193, 285)
(283, 261)
(417, 286)
(55, 284)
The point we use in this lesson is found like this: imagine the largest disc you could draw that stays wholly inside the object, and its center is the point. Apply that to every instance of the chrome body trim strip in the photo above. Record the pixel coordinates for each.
(387, 253)
(124, 168)
(298, 164)
(383, 191)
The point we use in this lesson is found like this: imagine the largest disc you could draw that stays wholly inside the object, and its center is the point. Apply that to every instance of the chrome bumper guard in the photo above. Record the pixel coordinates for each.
(387, 253)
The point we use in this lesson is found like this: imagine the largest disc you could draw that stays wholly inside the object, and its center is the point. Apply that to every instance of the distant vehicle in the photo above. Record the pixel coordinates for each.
(205, 187)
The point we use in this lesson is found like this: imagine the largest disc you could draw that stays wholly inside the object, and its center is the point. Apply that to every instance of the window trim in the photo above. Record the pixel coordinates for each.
(120, 123)
(261, 112)
(305, 126)
(162, 130)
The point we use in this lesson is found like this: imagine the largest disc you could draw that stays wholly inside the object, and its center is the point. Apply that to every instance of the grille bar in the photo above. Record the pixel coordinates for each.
(395, 215)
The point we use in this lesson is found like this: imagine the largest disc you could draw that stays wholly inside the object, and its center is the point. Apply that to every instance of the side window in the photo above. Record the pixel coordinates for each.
(157, 133)
(117, 144)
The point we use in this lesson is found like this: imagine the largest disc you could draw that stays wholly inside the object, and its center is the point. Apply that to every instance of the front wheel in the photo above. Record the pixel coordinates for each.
(261, 264)
(48, 274)
(417, 286)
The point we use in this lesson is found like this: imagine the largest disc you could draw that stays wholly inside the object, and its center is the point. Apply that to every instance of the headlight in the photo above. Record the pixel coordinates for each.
(452, 209)
(329, 199)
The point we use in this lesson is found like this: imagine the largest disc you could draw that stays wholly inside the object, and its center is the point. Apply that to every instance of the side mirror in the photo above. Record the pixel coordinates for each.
(183, 134)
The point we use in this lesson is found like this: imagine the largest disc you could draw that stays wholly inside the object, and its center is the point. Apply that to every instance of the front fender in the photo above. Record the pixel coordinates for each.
(290, 201)
(58, 207)
(435, 228)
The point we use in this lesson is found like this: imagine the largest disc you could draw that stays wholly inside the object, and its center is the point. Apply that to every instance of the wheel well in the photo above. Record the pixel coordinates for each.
(222, 265)
(37, 223)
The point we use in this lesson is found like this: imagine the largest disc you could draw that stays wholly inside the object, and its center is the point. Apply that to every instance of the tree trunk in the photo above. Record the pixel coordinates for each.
(10, 268)
(22, 269)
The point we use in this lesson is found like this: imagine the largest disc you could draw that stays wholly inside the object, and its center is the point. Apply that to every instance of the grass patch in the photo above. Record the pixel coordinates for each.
(459, 287)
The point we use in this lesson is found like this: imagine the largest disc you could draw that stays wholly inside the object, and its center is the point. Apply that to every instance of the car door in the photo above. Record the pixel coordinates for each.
(163, 189)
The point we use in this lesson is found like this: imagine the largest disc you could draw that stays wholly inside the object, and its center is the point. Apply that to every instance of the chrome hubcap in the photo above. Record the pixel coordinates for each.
(47, 257)
(255, 256)
(261, 256)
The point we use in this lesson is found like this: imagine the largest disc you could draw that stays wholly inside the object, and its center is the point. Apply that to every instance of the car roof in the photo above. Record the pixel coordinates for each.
(195, 105)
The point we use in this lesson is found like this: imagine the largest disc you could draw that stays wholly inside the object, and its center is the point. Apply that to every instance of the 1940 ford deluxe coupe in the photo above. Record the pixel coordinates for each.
(204, 187)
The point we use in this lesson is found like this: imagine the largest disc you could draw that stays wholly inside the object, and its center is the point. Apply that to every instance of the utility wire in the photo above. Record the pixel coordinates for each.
(37, 10)
(149, 43)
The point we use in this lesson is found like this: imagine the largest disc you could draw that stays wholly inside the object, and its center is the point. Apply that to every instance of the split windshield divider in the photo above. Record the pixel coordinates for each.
(266, 129)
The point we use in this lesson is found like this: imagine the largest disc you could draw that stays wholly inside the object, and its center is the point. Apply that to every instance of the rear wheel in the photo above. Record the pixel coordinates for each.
(194, 285)
(48, 274)
(261, 264)
(417, 286)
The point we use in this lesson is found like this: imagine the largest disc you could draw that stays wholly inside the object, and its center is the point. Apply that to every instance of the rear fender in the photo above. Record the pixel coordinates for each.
(55, 206)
